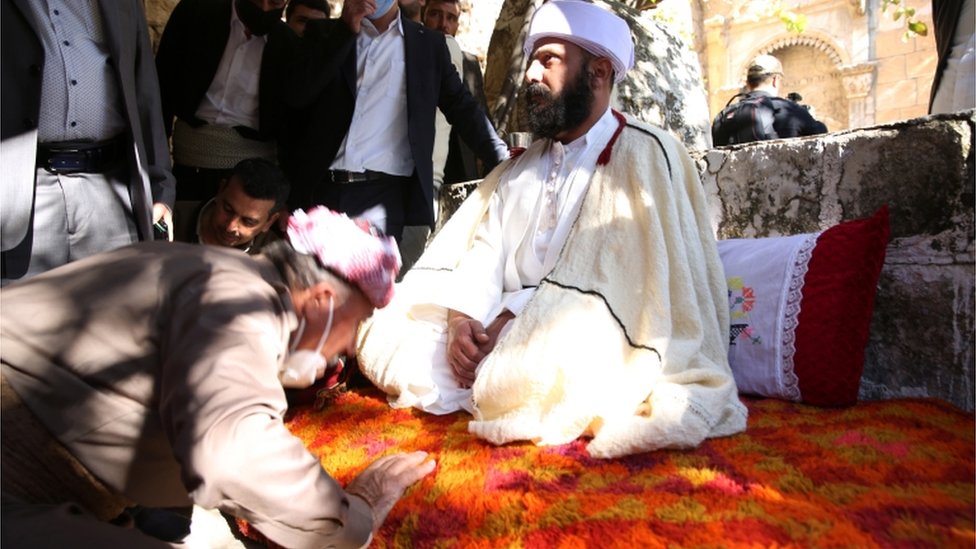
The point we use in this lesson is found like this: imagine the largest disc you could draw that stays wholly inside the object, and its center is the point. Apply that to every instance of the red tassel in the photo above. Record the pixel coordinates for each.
(604, 157)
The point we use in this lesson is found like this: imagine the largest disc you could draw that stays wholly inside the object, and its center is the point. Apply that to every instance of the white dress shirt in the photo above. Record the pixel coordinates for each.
(528, 220)
(232, 98)
(377, 137)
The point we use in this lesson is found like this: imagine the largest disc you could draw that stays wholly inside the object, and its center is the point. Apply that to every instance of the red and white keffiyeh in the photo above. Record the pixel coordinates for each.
(348, 247)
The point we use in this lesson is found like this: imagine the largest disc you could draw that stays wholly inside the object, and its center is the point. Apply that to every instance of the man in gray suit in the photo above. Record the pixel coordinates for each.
(85, 161)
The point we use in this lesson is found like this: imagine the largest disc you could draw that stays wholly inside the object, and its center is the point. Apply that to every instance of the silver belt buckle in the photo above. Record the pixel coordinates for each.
(350, 177)
(67, 161)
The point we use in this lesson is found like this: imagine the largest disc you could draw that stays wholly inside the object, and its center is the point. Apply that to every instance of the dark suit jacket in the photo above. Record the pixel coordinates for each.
(462, 164)
(189, 53)
(22, 72)
(322, 88)
(945, 18)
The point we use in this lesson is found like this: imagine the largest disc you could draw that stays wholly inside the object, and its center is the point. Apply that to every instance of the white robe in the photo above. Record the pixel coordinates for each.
(512, 250)
(625, 338)
(527, 222)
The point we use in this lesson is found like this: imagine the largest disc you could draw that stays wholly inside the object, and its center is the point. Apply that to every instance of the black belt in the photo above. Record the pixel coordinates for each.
(80, 156)
(342, 177)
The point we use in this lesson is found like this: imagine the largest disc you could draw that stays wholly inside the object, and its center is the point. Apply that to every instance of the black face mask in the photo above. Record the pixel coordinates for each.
(256, 20)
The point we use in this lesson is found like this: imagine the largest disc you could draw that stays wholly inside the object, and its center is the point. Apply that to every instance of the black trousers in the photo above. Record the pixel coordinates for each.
(356, 197)
(197, 184)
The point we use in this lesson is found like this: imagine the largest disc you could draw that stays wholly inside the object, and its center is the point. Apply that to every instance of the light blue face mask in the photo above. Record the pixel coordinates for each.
(382, 6)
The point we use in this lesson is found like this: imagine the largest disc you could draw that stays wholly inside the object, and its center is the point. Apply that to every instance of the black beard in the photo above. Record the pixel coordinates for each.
(557, 114)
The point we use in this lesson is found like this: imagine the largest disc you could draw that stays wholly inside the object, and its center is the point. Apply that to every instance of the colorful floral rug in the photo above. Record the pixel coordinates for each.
(896, 473)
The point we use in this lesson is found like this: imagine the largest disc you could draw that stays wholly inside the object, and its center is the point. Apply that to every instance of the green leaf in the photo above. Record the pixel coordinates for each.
(795, 22)
(919, 28)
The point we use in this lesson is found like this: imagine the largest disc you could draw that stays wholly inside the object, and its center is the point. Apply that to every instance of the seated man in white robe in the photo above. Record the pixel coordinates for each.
(578, 291)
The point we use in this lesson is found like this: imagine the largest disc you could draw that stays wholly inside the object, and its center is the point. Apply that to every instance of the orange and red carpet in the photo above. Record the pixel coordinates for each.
(897, 473)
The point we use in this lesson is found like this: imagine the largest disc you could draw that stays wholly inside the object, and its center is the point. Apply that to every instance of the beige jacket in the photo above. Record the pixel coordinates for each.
(156, 366)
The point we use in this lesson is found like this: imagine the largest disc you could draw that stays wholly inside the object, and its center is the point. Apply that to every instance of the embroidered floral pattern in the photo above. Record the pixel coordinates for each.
(742, 298)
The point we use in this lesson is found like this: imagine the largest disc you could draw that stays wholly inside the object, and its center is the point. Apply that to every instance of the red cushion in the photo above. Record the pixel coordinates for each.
(835, 311)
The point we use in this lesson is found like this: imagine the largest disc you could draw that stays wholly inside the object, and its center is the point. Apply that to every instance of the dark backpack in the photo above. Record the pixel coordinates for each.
(748, 119)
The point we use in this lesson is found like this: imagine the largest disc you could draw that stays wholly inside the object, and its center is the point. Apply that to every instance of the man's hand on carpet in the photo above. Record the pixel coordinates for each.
(382, 483)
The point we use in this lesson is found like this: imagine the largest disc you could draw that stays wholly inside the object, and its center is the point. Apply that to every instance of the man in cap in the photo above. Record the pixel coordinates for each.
(760, 113)
(578, 291)
(154, 374)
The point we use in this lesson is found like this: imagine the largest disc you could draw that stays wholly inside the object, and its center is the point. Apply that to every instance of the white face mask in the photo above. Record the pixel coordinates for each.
(303, 367)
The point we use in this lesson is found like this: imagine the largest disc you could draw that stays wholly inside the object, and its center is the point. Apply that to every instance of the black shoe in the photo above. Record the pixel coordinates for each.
(170, 525)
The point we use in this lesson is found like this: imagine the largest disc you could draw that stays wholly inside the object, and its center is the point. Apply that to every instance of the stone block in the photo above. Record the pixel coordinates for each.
(922, 336)
(921, 332)
(885, 116)
(891, 69)
(921, 64)
(916, 111)
(890, 43)
(896, 95)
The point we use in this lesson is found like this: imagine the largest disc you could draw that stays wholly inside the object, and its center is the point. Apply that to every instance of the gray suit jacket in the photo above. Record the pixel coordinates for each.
(21, 72)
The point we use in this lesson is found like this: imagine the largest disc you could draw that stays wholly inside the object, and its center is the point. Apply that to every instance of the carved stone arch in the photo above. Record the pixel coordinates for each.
(816, 67)
(837, 55)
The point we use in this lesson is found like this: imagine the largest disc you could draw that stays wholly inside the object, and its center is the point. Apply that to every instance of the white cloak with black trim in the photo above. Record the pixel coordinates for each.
(624, 341)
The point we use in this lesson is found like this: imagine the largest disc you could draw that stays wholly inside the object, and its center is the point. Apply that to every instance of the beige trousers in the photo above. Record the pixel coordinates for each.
(37, 469)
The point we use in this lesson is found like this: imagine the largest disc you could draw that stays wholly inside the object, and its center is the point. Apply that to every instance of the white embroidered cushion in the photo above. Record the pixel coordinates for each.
(765, 279)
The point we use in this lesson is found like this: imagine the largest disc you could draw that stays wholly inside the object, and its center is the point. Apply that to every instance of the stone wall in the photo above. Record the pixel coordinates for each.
(906, 66)
(852, 62)
(922, 331)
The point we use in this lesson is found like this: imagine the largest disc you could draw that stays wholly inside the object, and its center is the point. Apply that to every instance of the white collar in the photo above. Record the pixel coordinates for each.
(603, 123)
(367, 25)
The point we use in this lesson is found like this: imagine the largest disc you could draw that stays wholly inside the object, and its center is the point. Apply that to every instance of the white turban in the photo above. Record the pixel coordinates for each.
(587, 25)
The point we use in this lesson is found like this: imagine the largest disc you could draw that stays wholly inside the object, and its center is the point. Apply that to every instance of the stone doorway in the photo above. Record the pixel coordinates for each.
(816, 77)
